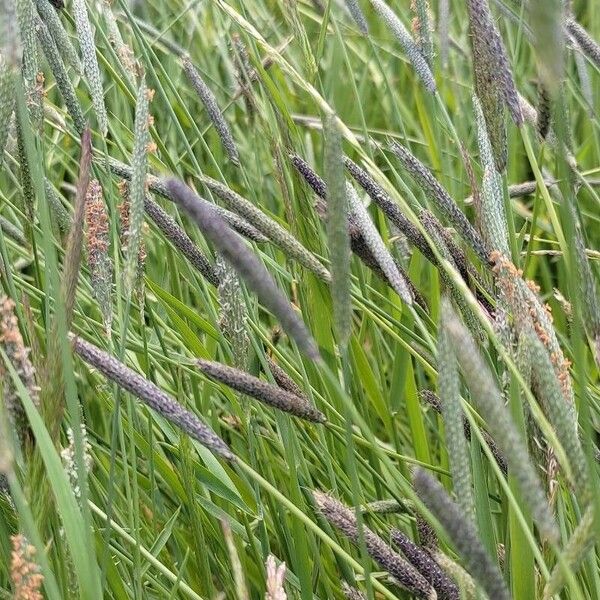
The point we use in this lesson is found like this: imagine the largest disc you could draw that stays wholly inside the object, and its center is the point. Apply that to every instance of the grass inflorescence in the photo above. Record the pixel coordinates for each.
(299, 299)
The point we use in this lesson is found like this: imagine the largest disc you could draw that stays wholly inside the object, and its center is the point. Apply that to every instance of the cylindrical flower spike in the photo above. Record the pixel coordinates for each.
(463, 535)
(151, 395)
(267, 226)
(488, 399)
(245, 263)
(409, 46)
(214, 112)
(158, 186)
(90, 62)
(12, 344)
(422, 560)
(99, 261)
(180, 239)
(403, 572)
(440, 197)
(59, 71)
(266, 393)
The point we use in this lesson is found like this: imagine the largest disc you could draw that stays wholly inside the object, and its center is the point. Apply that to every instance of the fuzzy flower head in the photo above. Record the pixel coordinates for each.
(12, 343)
(275, 579)
(24, 571)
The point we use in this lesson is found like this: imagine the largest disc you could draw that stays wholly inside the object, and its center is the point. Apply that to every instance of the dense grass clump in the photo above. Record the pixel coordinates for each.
(299, 299)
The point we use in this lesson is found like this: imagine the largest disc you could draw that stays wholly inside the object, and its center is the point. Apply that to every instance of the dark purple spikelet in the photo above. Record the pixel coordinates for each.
(283, 380)
(586, 42)
(420, 558)
(351, 593)
(152, 396)
(266, 393)
(180, 239)
(245, 263)
(544, 112)
(358, 244)
(440, 197)
(465, 267)
(427, 535)
(404, 573)
(494, 82)
(317, 184)
(462, 533)
(389, 207)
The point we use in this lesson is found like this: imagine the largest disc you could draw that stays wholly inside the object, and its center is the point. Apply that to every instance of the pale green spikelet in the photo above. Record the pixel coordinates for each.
(61, 38)
(463, 579)
(267, 226)
(462, 533)
(60, 75)
(443, 29)
(580, 543)
(377, 247)
(454, 429)
(137, 185)
(585, 80)
(383, 507)
(7, 101)
(489, 401)
(90, 63)
(212, 108)
(357, 15)
(12, 231)
(492, 215)
(99, 262)
(27, 190)
(422, 28)
(10, 43)
(337, 231)
(10, 58)
(137, 283)
(233, 313)
(59, 212)
(562, 416)
(125, 54)
(26, 17)
(544, 112)
(442, 200)
(588, 286)
(409, 46)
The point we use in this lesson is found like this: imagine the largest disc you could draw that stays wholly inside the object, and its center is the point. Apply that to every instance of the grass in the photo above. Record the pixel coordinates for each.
(113, 490)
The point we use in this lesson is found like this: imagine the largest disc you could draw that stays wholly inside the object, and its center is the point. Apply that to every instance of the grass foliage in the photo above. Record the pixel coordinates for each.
(299, 299)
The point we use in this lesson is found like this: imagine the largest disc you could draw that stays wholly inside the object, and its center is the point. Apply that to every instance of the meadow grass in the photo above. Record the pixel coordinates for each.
(299, 299)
